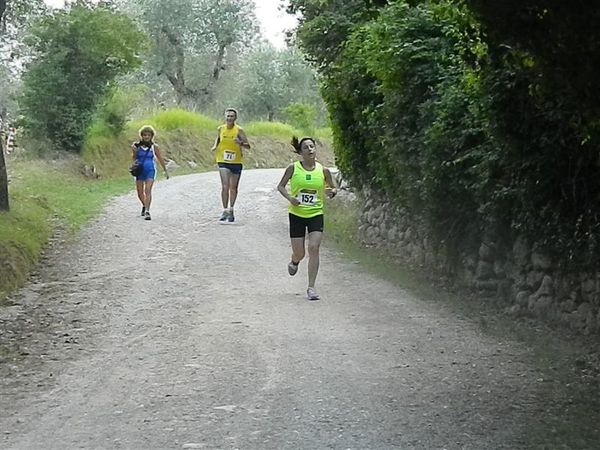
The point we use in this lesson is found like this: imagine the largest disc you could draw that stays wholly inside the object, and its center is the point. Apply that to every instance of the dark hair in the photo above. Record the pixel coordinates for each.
(297, 144)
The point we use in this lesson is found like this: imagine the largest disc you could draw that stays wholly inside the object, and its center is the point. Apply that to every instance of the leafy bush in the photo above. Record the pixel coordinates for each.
(78, 53)
(463, 130)
(302, 116)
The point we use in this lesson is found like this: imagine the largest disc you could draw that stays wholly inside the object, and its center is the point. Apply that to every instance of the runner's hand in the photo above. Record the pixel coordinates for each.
(331, 192)
(294, 201)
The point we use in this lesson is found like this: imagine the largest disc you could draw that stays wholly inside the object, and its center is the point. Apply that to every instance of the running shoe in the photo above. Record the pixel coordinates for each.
(230, 218)
(311, 294)
(292, 268)
(148, 216)
(143, 211)
(224, 216)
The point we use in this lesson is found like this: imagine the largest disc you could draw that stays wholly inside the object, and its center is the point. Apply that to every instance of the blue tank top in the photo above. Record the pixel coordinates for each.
(145, 156)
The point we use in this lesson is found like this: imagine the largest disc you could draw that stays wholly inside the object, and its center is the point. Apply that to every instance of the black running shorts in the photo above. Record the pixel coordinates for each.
(298, 225)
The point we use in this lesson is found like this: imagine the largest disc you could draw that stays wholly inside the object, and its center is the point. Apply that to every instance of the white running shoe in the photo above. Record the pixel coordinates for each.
(292, 268)
(311, 294)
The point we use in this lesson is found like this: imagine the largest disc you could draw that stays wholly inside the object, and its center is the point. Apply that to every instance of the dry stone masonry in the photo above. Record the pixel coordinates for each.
(520, 275)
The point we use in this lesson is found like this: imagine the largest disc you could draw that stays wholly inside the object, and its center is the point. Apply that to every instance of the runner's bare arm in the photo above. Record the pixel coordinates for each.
(281, 187)
(217, 140)
(161, 160)
(330, 189)
(243, 139)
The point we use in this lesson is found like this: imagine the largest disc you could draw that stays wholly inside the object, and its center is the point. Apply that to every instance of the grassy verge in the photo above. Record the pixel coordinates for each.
(42, 195)
(566, 365)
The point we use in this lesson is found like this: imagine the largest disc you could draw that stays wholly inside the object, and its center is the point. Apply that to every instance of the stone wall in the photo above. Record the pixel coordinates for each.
(519, 274)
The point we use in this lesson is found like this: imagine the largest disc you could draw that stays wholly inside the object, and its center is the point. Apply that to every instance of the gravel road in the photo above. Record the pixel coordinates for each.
(184, 332)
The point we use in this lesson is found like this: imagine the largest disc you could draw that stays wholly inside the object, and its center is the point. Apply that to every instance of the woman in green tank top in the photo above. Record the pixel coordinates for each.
(309, 182)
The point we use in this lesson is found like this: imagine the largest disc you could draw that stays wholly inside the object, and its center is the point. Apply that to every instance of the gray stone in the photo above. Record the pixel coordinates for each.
(90, 171)
(514, 310)
(470, 262)
(370, 217)
(585, 309)
(546, 288)
(523, 298)
(542, 306)
(583, 318)
(504, 290)
(192, 164)
(568, 305)
(520, 281)
(534, 279)
(172, 165)
(540, 261)
(372, 234)
(486, 252)
(485, 270)
(588, 289)
(499, 269)
(392, 233)
(487, 285)
(521, 251)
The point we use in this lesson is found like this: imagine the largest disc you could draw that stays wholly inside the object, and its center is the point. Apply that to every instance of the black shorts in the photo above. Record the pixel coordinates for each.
(235, 168)
(298, 225)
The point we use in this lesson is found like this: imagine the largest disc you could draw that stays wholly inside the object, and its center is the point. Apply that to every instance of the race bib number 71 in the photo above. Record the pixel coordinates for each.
(228, 156)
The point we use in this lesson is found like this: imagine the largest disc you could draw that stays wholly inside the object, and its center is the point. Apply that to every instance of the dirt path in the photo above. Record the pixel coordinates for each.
(186, 333)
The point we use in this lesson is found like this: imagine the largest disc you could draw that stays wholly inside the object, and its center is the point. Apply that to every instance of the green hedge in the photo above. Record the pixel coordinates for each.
(429, 107)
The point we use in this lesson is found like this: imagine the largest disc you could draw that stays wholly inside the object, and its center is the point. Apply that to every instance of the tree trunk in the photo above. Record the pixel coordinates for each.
(219, 62)
(175, 74)
(2, 9)
(3, 179)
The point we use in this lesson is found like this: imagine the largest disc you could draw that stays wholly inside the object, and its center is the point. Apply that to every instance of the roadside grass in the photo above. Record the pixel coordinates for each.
(272, 130)
(175, 119)
(45, 194)
(566, 368)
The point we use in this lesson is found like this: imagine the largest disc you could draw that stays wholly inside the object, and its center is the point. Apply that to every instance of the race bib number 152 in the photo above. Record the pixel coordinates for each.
(307, 198)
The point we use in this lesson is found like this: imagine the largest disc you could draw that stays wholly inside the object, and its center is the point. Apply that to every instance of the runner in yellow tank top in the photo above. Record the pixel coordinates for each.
(229, 145)
(310, 182)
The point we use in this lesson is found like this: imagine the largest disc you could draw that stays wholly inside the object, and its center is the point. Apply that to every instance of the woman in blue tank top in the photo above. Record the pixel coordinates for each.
(143, 153)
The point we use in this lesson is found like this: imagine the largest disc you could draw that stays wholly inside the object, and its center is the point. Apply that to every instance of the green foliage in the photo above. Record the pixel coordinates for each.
(271, 129)
(177, 119)
(468, 128)
(543, 89)
(301, 116)
(113, 112)
(194, 42)
(265, 80)
(78, 54)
